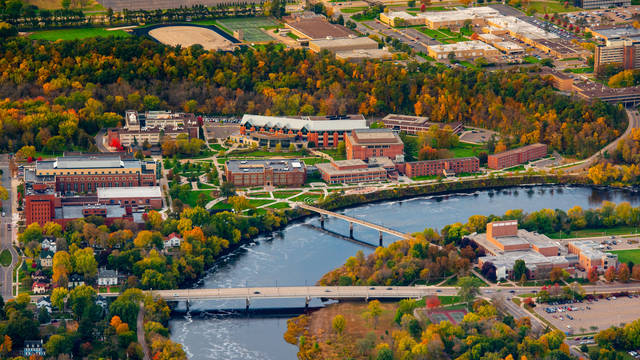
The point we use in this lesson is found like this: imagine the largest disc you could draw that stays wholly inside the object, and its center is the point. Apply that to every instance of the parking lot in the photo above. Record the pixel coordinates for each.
(477, 135)
(584, 316)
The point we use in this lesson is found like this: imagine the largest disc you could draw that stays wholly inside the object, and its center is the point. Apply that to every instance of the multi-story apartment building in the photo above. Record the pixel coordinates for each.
(270, 172)
(517, 156)
(351, 171)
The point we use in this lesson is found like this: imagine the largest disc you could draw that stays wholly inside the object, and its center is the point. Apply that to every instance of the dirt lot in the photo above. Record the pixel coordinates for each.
(603, 314)
(191, 35)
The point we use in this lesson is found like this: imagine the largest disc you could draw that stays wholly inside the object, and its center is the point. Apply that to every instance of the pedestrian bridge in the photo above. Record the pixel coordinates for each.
(351, 220)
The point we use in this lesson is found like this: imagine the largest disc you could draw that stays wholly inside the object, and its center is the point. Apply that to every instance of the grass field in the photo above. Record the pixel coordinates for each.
(531, 59)
(628, 255)
(256, 203)
(543, 7)
(192, 198)
(583, 70)
(279, 205)
(250, 26)
(352, 10)
(74, 34)
(313, 161)
(618, 230)
(57, 4)
(334, 154)
(444, 36)
(5, 258)
(284, 194)
(307, 198)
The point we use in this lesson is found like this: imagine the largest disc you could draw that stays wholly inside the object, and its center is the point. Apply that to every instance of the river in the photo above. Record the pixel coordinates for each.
(300, 254)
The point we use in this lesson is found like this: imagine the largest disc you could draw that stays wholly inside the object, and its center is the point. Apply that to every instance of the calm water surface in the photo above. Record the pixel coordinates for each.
(300, 254)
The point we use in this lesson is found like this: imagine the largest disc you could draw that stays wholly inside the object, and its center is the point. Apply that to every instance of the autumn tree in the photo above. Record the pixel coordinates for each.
(623, 274)
(610, 274)
(593, 276)
(61, 267)
(338, 324)
(374, 310)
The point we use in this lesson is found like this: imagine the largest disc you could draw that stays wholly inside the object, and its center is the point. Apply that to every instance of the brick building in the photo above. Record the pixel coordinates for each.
(351, 171)
(415, 124)
(367, 143)
(517, 156)
(84, 174)
(442, 166)
(589, 255)
(43, 204)
(315, 131)
(269, 172)
(153, 126)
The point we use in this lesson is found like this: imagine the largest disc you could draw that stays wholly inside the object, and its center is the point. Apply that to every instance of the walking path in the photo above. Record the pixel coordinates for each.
(140, 329)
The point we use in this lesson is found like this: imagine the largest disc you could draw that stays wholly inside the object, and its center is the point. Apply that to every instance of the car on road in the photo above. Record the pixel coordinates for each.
(256, 292)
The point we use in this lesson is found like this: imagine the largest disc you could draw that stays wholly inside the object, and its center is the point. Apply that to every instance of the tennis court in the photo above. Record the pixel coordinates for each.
(250, 26)
(453, 316)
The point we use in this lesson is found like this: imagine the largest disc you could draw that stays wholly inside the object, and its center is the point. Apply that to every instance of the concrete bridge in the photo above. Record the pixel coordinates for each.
(351, 220)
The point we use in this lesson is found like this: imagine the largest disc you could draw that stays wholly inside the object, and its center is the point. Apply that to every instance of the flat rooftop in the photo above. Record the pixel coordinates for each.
(617, 32)
(462, 46)
(591, 249)
(319, 28)
(128, 192)
(87, 162)
(530, 257)
(310, 123)
(348, 41)
(75, 211)
(258, 166)
(332, 170)
(364, 54)
(371, 136)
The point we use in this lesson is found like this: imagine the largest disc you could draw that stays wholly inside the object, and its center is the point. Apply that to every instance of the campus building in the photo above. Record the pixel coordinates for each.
(86, 173)
(152, 127)
(598, 4)
(351, 171)
(269, 172)
(312, 26)
(415, 124)
(517, 156)
(367, 143)
(320, 131)
(506, 244)
(43, 204)
(590, 256)
(624, 52)
(463, 49)
(442, 166)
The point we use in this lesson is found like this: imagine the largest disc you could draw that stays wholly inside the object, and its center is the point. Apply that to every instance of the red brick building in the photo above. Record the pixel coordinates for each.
(517, 156)
(316, 131)
(415, 124)
(439, 167)
(84, 174)
(367, 143)
(40, 205)
(270, 172)
(351, 171)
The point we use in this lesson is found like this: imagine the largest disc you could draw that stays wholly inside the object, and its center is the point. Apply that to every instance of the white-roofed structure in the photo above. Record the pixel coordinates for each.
(127, 192)
(321, 131)
(464, 49)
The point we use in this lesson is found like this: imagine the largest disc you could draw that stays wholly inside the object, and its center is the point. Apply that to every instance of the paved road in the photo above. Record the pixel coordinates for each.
(6, 236)
(634, 122)
(140, 330)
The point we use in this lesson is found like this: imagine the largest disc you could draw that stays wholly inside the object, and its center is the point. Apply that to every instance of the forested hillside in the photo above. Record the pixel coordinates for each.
(72, 88)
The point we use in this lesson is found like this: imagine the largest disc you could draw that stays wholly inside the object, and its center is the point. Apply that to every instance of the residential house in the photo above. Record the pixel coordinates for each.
(46, 259)
(33, 347)
(173, 240)
(102, 302)
(39, 276)
(107, 277)
(39, 287)
(44, 302)
(49, 244)
(75, 280)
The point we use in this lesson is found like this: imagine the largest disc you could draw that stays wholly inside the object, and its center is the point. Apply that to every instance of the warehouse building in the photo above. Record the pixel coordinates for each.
(517, 156)
(268, 172)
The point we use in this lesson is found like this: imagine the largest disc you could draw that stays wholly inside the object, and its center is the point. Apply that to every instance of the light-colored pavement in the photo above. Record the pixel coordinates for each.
(6, 235)
(140, 330)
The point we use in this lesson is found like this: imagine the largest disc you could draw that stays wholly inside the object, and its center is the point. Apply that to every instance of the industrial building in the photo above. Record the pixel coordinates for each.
(351, 171)
(442, 167)
(268, 172)
(367, 143)
(351, 48)
(517, 156)
(320, 131)
(415, 124)
(464, 49)
(86, 173)
(316, 27)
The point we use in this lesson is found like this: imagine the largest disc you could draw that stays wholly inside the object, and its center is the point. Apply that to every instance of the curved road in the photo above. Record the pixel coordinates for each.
(634, 122)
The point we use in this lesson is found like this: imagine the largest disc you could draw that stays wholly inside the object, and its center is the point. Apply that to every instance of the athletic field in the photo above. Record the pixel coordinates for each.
(73, 34)
(250, 26)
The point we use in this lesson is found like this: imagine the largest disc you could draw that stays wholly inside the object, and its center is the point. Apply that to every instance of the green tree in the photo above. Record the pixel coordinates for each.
(519, 269)
(65, 4)
(227, 189)
(468, 289)
(85, 262)
(338, 324)
(374, 310)
(82, 298)
(57, 297)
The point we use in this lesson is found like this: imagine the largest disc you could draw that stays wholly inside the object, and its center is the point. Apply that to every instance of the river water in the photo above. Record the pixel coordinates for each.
(300, 255)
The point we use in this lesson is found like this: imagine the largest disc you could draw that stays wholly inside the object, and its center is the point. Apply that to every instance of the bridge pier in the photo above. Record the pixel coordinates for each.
(380, 238)
(307, 300)
(248, 302)
(322, 217)
(188, 305)
(351, 230)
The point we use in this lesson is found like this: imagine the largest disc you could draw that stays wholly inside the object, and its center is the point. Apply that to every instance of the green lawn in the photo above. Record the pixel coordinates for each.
(352, 10)
(205, 186)
(256, 203)
(259, 195)
(308, 198)
(315, 160)
(250, 26)
(448, 300)
(425, 177)
(221, 205)
(618, 230)
(583, 70)
(628, 255)
(543, 7)
(292, 35)
(515, 168)
(279, 205)
(262, 153)
(217, 147)
(5, 258)
(73, 34)
(531, 59)
(192, 197)
(334, 154)
(284, 194)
